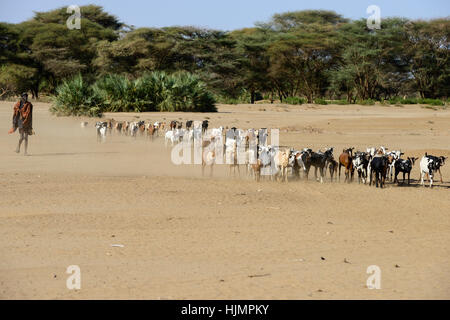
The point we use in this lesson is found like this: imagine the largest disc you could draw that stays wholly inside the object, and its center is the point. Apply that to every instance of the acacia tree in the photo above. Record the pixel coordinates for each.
(8, 51)
(288, 21)
(8, 42)
(360, 60)
(305, 49)
(253, 59)
(140, 50)
(372, 64)
(209, 53)
(310, 53)
(54, 52)
(428, 48)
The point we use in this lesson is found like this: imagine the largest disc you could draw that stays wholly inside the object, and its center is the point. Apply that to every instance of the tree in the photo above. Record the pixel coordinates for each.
(91, 13)
(371, 61)
(311, 53)
(8, 42)
(305, 49)
(428, 47)
(289, 21)
(15, 79)
(253, 59)
(45, 44)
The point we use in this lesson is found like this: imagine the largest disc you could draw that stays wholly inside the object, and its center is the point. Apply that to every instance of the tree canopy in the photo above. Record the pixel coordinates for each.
(311, 54)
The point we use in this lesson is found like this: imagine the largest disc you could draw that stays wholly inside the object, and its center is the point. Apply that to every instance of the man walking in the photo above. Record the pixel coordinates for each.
(23, 120)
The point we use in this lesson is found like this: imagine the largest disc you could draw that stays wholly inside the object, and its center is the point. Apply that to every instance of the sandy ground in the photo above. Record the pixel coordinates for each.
(188, 237)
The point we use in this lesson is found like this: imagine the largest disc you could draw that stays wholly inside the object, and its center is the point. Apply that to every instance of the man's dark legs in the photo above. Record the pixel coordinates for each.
(26, 143)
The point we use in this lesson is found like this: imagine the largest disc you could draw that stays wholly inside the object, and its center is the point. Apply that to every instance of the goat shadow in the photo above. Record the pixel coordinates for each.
(416, 184)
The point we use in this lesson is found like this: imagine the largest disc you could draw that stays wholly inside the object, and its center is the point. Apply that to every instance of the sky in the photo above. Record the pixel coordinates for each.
(224, 14)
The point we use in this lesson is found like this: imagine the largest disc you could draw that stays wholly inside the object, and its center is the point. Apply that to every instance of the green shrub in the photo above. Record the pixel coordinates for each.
(227, 100)
(156, 91)
(368, 102)
(408, 101)
(182, 92)
(119, 94)
(339, 102)
(75, 97)
(392, 100)
(294, 100)
(402, 101)
(320, 101)
(433, 102)
(243, 97)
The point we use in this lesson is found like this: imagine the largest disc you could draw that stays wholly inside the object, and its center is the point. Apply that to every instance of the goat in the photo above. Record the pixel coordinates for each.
(254, 164)
(295, 161)
(361, 163)
(346, 161)
(118, 127)
(428, 165)
(391, 168)
(265, 156)
(205, 125)
(251, 149)
(208, 155)
(404, 166)
(318, 160)
(300, 160)
(333, 167)
(172, 136)
(441, 161)
(173, 125)
(126, 127)
(378, 166)
(134, 127)
(232, 156)
(141, 127)
(262, 136)
(162, 126)
(102, 128)
(281, 161)
(217, 132)
(151, 130)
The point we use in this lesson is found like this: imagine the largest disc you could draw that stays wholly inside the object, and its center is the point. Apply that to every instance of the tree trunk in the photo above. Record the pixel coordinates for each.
(280, 96)
(35, 93)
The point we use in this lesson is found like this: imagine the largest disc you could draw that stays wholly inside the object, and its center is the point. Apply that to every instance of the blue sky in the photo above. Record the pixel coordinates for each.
(224, 14)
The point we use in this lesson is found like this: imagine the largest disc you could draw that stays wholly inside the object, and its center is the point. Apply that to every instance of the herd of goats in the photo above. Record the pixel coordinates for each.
(250, 148)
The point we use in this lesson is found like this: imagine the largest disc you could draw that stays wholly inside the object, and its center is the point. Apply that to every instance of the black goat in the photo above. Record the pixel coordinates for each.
(404, 166)
(378, 166)
(318, 160)
(205, 125)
